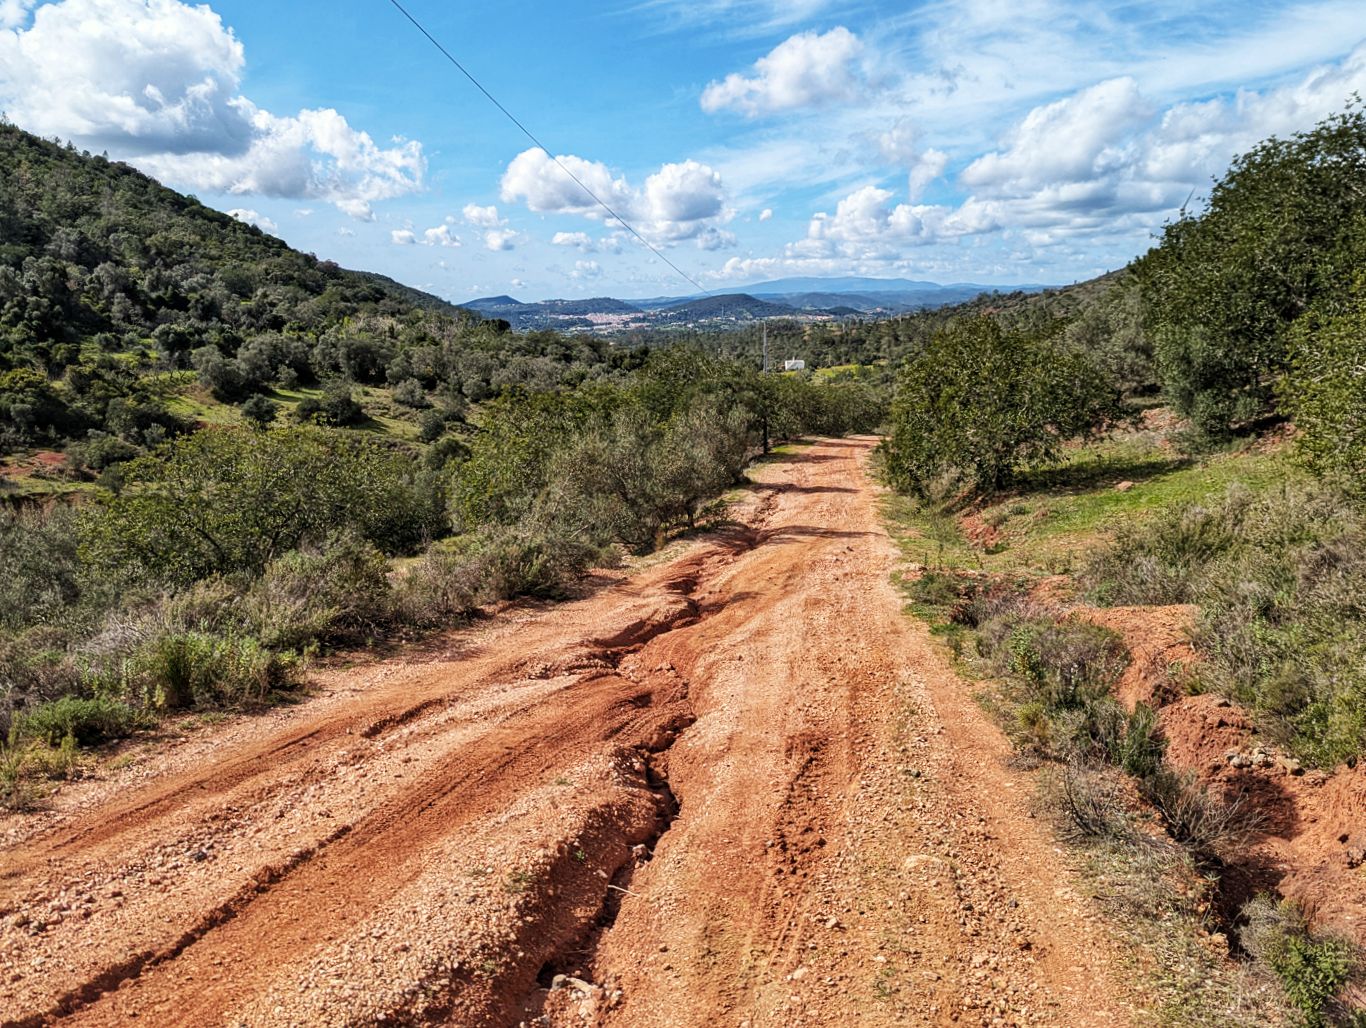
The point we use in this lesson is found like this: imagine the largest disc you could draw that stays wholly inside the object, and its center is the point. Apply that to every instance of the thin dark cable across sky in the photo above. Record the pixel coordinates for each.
(548, 152)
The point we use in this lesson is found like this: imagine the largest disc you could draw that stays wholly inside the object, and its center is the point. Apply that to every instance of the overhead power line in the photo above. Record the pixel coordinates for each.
(548, 152)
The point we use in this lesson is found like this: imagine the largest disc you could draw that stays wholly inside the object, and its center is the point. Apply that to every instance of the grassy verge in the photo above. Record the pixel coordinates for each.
(1055, 516)
(995, 579)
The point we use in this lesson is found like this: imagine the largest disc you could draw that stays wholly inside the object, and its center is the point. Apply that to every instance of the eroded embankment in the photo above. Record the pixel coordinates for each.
(1312, 844)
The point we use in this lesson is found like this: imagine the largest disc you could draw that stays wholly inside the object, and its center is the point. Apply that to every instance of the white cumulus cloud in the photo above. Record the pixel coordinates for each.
(482, 217)
(501, 239)
(158, 82)
(1102, 162)
(14, 13)
(579, 240)
(441, 235)
(681, 201)
(1074, 138)
(402, 237)
(806, 70)
(493, 227)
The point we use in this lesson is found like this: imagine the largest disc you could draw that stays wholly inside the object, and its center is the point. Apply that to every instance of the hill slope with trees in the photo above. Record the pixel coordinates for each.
(118, 295)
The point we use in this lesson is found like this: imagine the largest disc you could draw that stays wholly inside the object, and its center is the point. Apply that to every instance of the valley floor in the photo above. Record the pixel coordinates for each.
(738, 787)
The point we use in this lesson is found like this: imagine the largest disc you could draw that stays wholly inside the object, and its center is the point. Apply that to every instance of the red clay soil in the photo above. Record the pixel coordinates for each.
(1313, 849)
(1158, 639)
(24, 467)
(739, 787)
(977, 531)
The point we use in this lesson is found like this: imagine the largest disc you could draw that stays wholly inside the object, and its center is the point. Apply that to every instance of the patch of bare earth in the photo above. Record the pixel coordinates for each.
(1313, 846)
(738, 787)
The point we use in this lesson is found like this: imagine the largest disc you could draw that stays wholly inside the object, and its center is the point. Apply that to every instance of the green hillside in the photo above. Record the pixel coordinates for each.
(129, 312)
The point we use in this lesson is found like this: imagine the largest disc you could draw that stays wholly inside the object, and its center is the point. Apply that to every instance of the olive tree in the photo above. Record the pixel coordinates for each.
(1223, 287)
(978, 403)
(227, 501)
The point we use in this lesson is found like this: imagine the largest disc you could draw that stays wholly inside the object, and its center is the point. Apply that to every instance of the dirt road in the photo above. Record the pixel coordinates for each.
(738, 787)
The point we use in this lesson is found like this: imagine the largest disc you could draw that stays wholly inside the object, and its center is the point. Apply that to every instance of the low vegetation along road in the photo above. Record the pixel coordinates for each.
(737, 787)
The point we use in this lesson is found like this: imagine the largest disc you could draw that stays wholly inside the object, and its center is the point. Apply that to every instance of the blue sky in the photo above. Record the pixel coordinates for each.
(984, 140)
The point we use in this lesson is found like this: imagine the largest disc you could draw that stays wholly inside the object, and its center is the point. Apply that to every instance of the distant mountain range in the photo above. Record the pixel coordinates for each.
(806, 299)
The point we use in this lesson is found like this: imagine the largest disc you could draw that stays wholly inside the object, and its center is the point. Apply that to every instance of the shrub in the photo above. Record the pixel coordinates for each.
(1141, 750)
(99, 452)
(699, 454)
(87, 721)
(1163, 560)
(226, 501)
(509, 459)
(1325, 390)
(1281, 581)
(430, 426)
(1209, 825)
(174, 670)
(1066, 663)
(533, 560)
(337, 407)
(1111, 329)
(410, 393)
(936, 589)
(603, 481)
(40, 575)
(1312, 968)
(24, 763)
(34, 667)
(220, 375)
(447, 583)
(337, 593)
(1091, 802)
(259, 410)
(1223, 288)
(457, 576)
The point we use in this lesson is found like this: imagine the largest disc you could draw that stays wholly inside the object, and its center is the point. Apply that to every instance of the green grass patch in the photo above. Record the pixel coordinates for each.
(1055, 515)
(841, 371)
(196, 404)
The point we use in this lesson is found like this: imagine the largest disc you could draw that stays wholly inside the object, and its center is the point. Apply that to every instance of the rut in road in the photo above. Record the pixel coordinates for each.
(736, 787)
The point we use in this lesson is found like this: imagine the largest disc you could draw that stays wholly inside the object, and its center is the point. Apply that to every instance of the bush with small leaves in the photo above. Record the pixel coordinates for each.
(87, 721)
(431, 426)
(232, 501)
(1224, 287)
(981, 403)
(175, 670)
(221, 375)
(337, 592)
(259, 410)
(1313, 968)
(410, 393)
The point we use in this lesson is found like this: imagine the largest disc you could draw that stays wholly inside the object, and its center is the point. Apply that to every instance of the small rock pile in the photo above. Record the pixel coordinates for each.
(1261, 757)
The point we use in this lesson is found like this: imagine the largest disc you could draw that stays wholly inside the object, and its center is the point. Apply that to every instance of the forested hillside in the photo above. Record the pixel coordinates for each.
(120, 299)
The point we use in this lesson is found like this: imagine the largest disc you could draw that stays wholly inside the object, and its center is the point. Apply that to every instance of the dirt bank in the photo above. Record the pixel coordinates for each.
(1312, 848)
